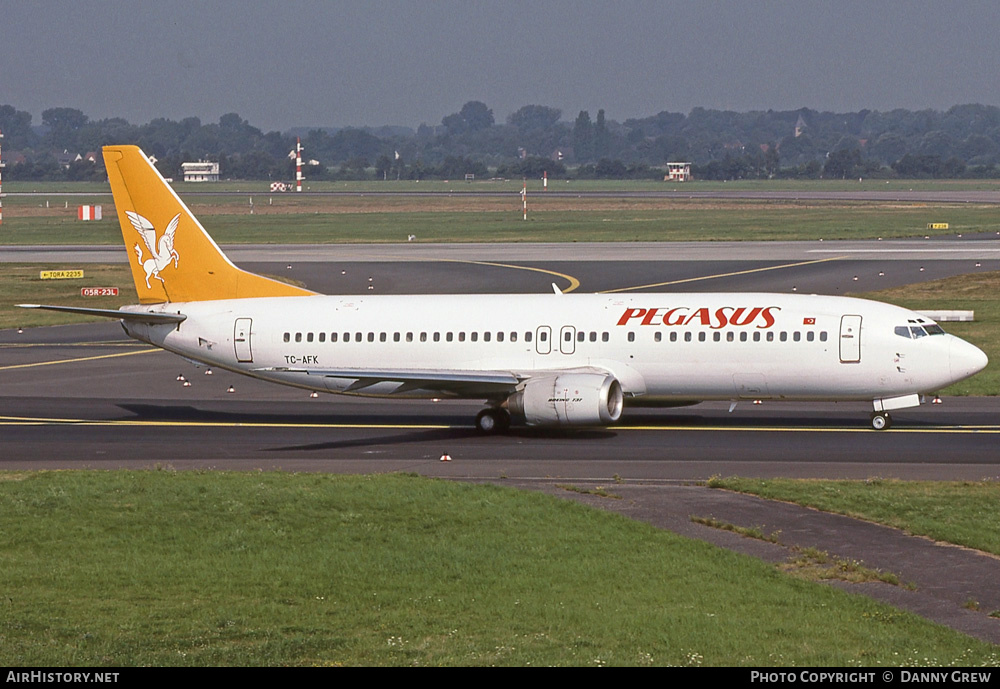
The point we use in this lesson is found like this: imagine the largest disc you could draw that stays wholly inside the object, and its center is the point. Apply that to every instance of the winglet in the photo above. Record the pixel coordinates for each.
(173, 258)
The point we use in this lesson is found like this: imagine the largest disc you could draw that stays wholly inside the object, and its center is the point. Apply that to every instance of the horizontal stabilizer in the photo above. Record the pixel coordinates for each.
(134, 316)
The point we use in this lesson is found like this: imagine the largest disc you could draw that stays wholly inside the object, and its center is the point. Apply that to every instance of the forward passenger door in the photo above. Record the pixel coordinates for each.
(850, 339)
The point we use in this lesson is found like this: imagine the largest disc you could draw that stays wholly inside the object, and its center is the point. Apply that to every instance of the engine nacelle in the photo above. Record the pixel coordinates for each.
(569, 399)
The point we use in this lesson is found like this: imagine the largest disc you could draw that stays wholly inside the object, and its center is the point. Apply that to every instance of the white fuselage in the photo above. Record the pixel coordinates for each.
(662, 348)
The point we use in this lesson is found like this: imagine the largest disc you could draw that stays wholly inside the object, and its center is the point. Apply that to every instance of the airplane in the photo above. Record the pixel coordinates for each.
(545, 360)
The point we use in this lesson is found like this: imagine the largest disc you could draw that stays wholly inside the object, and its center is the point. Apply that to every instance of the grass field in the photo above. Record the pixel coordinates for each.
(963, 513)
(375, 218)
(683, 221)
(208, 568)
(20, 283)
(535, 185)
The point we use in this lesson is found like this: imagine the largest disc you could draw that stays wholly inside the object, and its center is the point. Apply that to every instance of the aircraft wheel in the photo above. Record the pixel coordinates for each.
(492, 421)
(881, 421)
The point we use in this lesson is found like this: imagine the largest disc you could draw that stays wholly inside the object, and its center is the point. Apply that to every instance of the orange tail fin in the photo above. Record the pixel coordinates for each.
(172, 256)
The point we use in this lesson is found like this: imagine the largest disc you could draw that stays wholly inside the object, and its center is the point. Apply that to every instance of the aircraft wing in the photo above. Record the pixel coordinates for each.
(460, 382)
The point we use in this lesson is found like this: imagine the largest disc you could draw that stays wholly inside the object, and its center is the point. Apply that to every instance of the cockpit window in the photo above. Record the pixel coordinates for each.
(914, 332)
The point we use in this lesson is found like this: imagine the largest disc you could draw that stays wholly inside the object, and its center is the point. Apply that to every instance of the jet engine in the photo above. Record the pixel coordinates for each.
(568, 399)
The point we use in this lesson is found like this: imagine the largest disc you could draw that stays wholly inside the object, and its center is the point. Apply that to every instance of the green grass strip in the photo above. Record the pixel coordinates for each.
(963, 512)
(203, 568)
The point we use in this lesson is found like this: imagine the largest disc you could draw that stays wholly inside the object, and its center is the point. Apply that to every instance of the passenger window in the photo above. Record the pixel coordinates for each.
(474, 336)
(371, 337)
(756, 336)
(770, 336)
(604, 337)
(449, 336)
(322, 337)
(687, 337)
(358, 336)
(395, 337)
(567, 336)
(513, 336)
(717, 336)
(309, 337)
(543, 336)
(409, 337)
(461, 337)
(298, 337)
(423, 337)
(631, 336)
(333, 337)
(581, 336)
(437, 337)
(701, 336)
(810, 336)
(527, 336)
(486, 336)
(382, 337)
(288, 337)
(822, 336)
(784, 336)
(658, 336)
(673, 336)
(593, 336)
(500, 336)
(796, 336)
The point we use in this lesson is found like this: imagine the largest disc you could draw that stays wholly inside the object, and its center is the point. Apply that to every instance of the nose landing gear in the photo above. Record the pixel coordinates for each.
(881, 420)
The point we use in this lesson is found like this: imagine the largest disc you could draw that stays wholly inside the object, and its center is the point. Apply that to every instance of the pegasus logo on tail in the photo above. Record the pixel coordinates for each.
(162, 252)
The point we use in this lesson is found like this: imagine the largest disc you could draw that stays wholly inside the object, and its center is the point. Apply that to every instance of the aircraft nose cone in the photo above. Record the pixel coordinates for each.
(965, 359)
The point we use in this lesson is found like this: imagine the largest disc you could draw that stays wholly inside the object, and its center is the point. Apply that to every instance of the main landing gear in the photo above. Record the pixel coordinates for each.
(881, 420)
(492, 421)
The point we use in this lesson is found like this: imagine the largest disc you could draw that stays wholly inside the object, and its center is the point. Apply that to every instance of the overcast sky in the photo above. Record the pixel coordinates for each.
(282, 63)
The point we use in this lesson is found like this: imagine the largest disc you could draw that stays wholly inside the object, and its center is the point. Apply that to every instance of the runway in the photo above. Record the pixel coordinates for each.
(86, 396)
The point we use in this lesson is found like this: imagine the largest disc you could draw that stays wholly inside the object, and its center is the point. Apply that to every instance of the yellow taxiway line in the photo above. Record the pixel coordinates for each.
(721, 275)
(573, 282)
(42, 421)
(79, 359)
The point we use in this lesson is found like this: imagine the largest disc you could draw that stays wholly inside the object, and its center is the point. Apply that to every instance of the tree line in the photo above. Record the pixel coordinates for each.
(963, 141)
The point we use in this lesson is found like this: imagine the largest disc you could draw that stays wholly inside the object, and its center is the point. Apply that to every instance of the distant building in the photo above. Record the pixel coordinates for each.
(65, 158)
(202, 171)
(800, 125)
(678, 172)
